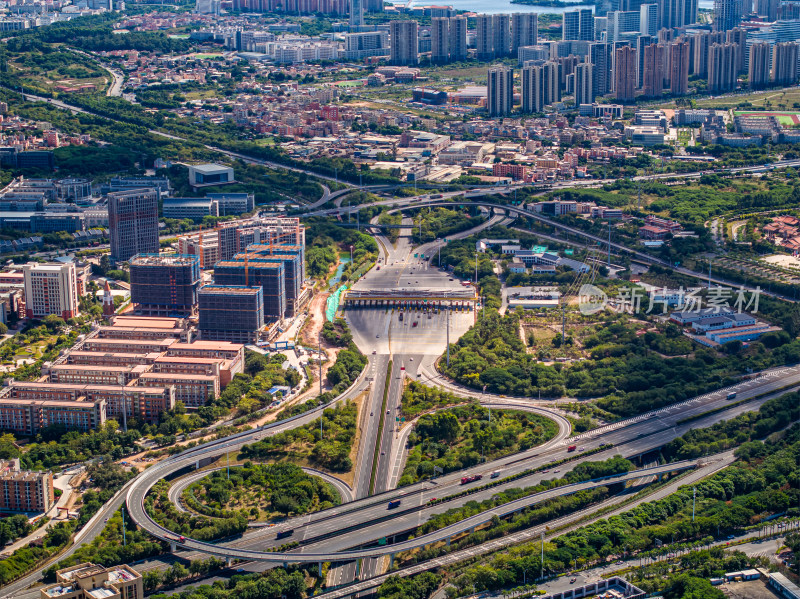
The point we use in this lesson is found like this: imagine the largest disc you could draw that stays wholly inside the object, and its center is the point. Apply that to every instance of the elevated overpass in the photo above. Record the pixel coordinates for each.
(137, 510)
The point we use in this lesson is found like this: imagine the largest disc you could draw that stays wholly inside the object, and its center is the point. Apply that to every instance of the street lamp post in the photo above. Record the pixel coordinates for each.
(541, 563)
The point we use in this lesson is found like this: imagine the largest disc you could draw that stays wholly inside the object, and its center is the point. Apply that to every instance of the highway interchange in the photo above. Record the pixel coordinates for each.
(339, 534)
(336, 535)
(344, 529)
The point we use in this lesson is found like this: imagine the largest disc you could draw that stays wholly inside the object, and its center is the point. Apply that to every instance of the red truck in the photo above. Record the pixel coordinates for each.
(471, 479)
(572, 448)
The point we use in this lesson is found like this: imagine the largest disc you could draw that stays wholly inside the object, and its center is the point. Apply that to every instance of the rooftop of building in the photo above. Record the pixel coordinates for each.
(230, 290)
(209, 168)
(47, 266)
(165, 341)
(91, 367)
(83, 387)
(149, 322)
(116, 355)
(188, 360)
(180, 377)
(138, 329)
(208, 345)
(241, 264)
(164, 260)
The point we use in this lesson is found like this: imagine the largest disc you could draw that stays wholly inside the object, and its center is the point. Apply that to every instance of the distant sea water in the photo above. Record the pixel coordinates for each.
(505, 6)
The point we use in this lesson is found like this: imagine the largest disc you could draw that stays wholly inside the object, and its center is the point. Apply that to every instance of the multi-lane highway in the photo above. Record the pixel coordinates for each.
(337, 533)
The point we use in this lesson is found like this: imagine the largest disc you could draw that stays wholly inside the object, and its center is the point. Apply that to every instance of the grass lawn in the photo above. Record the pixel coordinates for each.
(788, 97)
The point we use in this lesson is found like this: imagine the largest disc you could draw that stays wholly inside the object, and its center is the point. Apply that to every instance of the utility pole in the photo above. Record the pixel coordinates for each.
(124, 541)
(319, 350)
(563, 323)
(709, 273)
(228, 463)
(694, 497)
(476, 268)
(609, 243)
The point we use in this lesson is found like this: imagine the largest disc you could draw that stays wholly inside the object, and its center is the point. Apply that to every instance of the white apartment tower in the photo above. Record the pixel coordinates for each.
(51, 288)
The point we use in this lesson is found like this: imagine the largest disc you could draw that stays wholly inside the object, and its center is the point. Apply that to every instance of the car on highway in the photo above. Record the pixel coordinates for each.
(415, 323)
(285, 533)
(471, 479)
(394, 503)
(572, 580)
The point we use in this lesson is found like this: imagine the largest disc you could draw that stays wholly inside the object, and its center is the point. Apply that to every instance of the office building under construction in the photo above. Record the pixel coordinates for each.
(270, 276)
(231, 313)
(164, 284)
(293, 262)
(229, 239)
(235, 238)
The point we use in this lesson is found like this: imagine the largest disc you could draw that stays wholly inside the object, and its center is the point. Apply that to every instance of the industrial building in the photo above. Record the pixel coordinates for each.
(164, 284)
(24, 491)
(231, 313)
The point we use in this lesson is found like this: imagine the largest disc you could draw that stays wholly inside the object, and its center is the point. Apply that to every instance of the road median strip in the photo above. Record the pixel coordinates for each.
(376, 453)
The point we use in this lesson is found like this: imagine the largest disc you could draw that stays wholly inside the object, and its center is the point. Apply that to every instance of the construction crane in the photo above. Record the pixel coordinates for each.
(200, 248)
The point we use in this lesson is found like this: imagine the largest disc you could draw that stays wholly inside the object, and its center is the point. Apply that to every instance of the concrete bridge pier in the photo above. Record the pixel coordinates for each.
(173, 547)
(228, 561)
(391, 561)
(319, 571)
